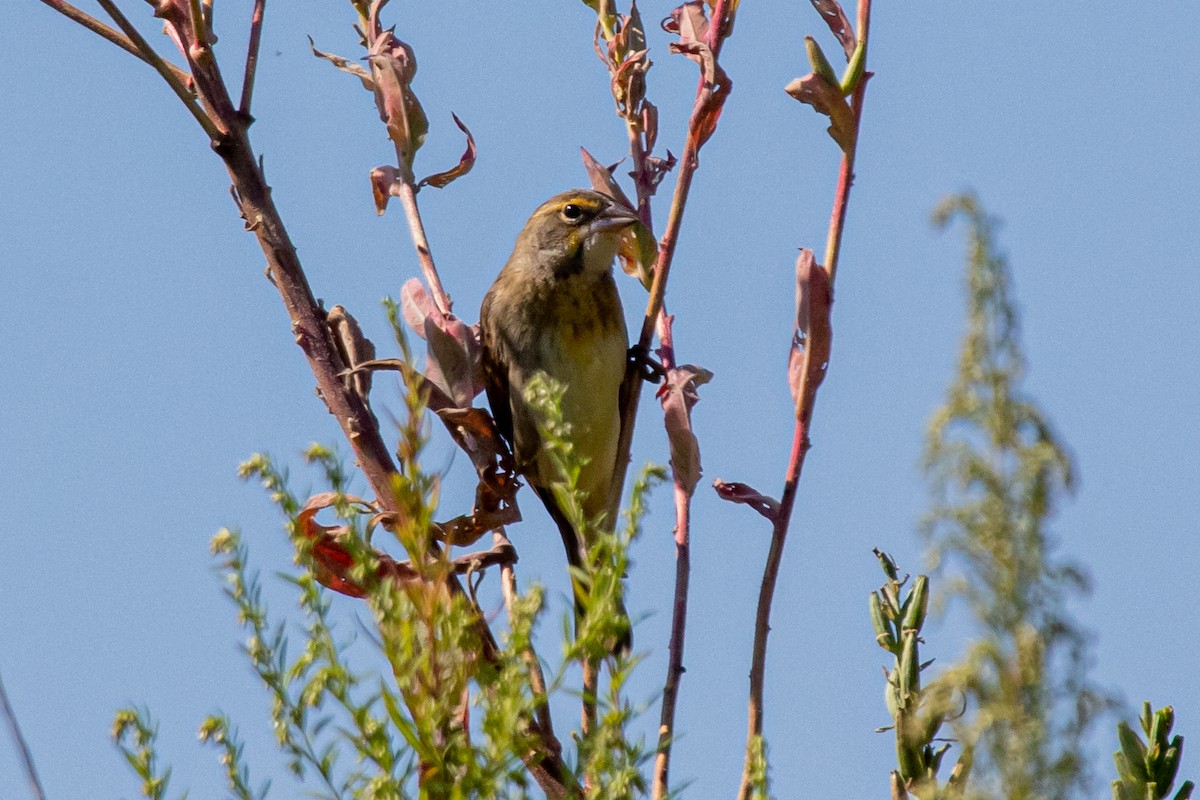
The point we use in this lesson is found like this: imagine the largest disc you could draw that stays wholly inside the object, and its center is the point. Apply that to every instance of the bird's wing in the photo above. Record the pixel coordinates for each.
(495, 373)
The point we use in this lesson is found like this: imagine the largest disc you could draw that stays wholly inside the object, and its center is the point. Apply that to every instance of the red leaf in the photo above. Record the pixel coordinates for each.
(741, 493)
(441, 179)
(813, 334)
(383, 186)
(831, 11)
(602, 179)
(688, 22)
(678, 395)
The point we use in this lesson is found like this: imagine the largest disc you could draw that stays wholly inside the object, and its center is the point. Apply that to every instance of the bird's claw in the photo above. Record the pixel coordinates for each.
(650, 369)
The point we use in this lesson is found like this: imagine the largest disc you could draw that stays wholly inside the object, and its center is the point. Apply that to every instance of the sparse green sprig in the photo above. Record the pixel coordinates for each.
(135, 734)
(216, 730)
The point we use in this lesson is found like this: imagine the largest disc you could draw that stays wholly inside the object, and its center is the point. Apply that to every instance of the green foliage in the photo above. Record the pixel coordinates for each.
(135, 733)
(609, 765)
(1147, 769)
(998, 470)
(917, 712)
(445, 723)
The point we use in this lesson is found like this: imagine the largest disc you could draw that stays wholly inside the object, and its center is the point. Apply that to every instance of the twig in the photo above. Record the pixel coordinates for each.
(31, 774)
(683, 566)
(164, 69)
(96, 26)
(256, 23)
(632, 387)
(805, 400)
(537, 678)
(408, 199)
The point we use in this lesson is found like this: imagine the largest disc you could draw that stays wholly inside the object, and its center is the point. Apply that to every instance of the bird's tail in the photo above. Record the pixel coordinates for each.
(581, 570)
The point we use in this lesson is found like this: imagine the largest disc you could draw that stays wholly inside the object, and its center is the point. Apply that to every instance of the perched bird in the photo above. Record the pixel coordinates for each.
(555, 309)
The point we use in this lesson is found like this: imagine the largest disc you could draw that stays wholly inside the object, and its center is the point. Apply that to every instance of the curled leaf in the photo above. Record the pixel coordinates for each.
(353, 346)
(453, 361)
(441, 179)
(688, 22)
(826, 98)
(384, 186)
(812, 332)
(393, 67)
(747, 495)
(602, 180)
(345, 65)
(706, 111)
(678, 395)
(831, 11)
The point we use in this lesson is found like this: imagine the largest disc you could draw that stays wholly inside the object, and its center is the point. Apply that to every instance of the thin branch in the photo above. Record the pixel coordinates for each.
(805, 401)
(416, 228)
(256, 22)
(537, 678)
(116, 37)
(683, 566)
(167, 71)
(31, 774)
(632, 387)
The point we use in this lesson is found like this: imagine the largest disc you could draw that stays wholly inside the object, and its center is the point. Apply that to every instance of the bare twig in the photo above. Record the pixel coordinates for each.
(537, 678)
(31, 774)
(805, 400)
(683, 565)
(256, 23)
(117, 38)
(168, 73)
(416, 228)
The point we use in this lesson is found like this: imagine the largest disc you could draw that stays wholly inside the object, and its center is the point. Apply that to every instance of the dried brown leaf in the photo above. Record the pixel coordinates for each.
(345, 65)
(441, 179)
(678, 395)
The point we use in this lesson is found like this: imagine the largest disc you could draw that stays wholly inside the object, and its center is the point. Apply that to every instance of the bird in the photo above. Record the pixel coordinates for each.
(554, 309)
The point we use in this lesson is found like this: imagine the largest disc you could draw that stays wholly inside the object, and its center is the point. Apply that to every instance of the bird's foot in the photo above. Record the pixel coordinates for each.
(650, 368)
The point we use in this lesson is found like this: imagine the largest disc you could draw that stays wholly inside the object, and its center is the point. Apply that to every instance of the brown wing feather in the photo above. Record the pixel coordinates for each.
(495, 374)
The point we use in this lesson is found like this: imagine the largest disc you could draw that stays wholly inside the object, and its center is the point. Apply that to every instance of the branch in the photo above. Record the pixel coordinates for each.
(714, 86)
(308, 319)
(105, 32)
(256, 22)
(26, 757)
(683, 566)
(416, 229)
(809, 379)
(167, 71)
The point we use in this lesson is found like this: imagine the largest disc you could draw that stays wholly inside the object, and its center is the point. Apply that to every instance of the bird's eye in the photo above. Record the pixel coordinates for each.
(572, 212)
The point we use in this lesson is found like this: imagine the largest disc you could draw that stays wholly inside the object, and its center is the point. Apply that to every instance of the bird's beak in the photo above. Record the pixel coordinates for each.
(613, 218)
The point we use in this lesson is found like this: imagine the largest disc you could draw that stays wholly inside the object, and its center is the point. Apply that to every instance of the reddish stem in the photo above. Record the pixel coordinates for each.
(256, 23)
(805, 401)
(683, 564)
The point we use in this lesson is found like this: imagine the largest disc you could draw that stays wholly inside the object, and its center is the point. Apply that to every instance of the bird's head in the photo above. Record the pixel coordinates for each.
(572, 233)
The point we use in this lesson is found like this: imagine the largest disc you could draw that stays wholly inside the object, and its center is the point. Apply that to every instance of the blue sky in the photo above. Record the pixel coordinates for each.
(146, 355)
